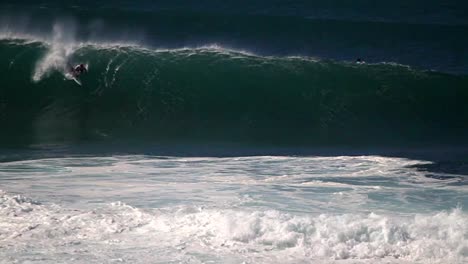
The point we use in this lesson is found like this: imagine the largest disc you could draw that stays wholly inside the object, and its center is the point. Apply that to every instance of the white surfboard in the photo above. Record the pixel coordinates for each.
(77, 81)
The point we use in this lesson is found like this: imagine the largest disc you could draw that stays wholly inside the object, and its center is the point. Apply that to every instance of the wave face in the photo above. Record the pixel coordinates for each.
(212, 93)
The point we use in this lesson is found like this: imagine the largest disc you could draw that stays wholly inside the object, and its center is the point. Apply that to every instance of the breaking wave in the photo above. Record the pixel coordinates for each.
(218, 94)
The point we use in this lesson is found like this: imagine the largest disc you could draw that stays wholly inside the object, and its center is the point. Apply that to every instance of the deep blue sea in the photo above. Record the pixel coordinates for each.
(280, 131)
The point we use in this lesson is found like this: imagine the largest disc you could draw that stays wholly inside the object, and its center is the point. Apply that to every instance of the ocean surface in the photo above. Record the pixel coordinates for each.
(234, 132)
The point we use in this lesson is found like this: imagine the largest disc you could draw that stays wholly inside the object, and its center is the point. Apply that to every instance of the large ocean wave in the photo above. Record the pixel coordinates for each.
(215, 93)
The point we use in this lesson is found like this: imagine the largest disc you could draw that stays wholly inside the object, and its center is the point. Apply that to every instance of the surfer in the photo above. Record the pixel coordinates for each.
(359, 61)
(78, 70)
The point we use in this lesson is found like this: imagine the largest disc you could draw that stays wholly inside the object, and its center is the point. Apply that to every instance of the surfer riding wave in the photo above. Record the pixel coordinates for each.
(78, 70)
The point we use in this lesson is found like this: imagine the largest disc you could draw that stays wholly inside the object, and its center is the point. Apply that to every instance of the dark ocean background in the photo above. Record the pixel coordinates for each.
(248, 72)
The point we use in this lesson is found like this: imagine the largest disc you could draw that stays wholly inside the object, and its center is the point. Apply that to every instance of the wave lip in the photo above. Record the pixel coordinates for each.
(432, 44)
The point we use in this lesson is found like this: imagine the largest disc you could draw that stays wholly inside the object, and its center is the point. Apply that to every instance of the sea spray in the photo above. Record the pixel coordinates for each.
(60, 48)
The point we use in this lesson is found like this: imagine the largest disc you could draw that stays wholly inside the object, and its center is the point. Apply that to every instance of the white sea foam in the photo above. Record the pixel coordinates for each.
(361, 209)
(239, 234)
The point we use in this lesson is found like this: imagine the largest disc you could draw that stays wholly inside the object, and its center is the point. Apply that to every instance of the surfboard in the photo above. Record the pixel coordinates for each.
(77, 80)
(69, 76)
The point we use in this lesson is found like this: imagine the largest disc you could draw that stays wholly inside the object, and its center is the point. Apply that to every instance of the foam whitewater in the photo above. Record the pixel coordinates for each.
(239, 235)
(144, 209)
(215, 93)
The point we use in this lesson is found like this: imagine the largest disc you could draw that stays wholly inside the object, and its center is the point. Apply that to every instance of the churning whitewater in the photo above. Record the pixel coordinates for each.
(144, 209)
